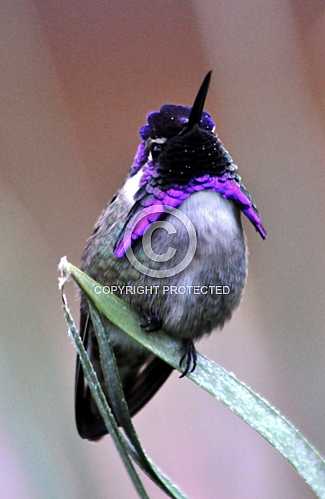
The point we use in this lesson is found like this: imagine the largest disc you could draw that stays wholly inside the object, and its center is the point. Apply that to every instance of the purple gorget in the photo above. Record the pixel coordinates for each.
(192, 162)
(151, 202)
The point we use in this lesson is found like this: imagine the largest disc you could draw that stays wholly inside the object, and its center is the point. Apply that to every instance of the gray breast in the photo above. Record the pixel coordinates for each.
(219, 260)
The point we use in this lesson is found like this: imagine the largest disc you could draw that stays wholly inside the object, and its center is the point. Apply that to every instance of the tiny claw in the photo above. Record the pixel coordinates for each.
(151, 324)
(189, 356)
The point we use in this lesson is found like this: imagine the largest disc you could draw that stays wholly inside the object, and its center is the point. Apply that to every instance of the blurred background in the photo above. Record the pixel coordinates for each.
(77, 79)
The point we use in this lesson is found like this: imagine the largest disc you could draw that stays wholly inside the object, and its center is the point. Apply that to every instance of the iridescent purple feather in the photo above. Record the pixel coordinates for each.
(151, 199)
(165, 123)
(150, 207)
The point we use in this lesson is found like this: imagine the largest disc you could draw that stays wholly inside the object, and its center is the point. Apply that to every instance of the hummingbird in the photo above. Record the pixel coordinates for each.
(183, 191)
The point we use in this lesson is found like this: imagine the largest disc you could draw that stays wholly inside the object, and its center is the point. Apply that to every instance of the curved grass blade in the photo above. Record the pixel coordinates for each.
(120, 408)
(224, 386)
(101, 401)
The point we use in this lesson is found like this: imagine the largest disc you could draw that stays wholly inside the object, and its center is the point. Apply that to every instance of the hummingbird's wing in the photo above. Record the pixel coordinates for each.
(141, 374)
(142, 382)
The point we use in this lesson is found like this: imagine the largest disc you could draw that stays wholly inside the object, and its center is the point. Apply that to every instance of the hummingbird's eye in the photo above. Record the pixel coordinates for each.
(155, 150)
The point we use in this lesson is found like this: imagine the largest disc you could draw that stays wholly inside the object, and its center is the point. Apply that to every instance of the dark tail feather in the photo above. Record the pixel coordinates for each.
(88, 421)
(138, 388)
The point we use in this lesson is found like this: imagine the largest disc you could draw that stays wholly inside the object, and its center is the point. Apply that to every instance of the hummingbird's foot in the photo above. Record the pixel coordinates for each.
(189, 357)
(151, 323)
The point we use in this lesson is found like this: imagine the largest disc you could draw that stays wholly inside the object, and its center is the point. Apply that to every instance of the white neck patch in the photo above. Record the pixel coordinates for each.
(132, 185)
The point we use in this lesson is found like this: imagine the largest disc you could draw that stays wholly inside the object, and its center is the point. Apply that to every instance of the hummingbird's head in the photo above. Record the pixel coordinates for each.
(180, 143)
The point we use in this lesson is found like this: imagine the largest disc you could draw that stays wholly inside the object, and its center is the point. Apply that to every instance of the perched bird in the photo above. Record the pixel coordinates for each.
(184, 198)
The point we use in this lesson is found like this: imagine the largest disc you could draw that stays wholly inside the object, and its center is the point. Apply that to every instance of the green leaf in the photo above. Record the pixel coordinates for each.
(222, 385)
(120, 408)
(101, 401)
(126, 447)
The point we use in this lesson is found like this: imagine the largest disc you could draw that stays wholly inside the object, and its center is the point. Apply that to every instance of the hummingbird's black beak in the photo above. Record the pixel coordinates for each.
(198, 104)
